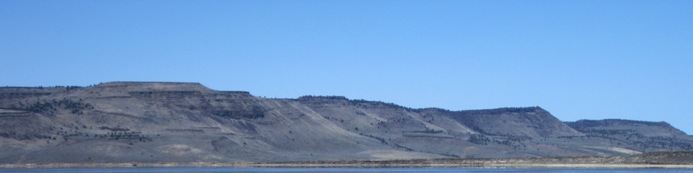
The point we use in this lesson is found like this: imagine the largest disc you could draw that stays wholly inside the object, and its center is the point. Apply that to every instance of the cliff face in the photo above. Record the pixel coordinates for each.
(187, 122)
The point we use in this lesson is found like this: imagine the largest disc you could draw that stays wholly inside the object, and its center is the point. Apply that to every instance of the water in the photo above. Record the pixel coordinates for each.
(333, 170)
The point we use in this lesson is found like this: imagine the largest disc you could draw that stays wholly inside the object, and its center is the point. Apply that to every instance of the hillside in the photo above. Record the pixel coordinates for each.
(639, 135)
(151, 122)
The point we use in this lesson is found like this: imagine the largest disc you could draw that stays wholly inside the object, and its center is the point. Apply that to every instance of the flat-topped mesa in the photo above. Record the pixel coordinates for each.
(174, 122)
(619, 126)
(527, 122)
(142, 90)
(149, 89)
(609, 122)
(322, 99)
(165, 90)
(154, 86)
(507, 110)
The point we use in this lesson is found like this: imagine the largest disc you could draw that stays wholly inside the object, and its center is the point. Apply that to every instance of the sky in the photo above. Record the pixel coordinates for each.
(578, 59)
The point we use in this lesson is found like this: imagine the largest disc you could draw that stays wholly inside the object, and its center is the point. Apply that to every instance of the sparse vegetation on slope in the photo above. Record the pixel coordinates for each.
(148, 122)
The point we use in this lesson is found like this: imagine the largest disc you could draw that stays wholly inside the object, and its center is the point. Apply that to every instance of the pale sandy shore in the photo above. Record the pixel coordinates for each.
(333, 165)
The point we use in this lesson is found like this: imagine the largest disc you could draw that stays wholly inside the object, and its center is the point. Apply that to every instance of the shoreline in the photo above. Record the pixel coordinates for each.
(649, 160)
(342, 165)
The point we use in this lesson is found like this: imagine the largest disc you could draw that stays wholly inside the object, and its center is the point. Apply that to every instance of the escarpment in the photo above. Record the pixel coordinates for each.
(188, 122)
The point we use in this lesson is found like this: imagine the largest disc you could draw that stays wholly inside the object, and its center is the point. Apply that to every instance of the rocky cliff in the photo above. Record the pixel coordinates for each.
(188, 122)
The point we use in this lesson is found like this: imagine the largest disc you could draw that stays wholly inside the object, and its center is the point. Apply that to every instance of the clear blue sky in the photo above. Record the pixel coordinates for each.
(583, 59)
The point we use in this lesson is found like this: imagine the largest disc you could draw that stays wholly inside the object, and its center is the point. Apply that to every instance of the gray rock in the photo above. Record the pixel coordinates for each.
(151, 122)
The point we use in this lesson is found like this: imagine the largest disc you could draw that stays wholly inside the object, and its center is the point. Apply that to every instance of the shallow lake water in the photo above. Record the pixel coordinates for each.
(330, 170)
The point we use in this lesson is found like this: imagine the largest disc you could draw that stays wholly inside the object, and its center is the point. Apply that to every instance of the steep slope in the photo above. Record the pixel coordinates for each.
(188, 122)
(532, 122)
(637, 135)
(147, 122)
(398, 127)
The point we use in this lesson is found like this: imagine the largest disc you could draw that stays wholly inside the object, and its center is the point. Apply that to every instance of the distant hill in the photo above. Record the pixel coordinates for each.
(639, 135)
(187, 122)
